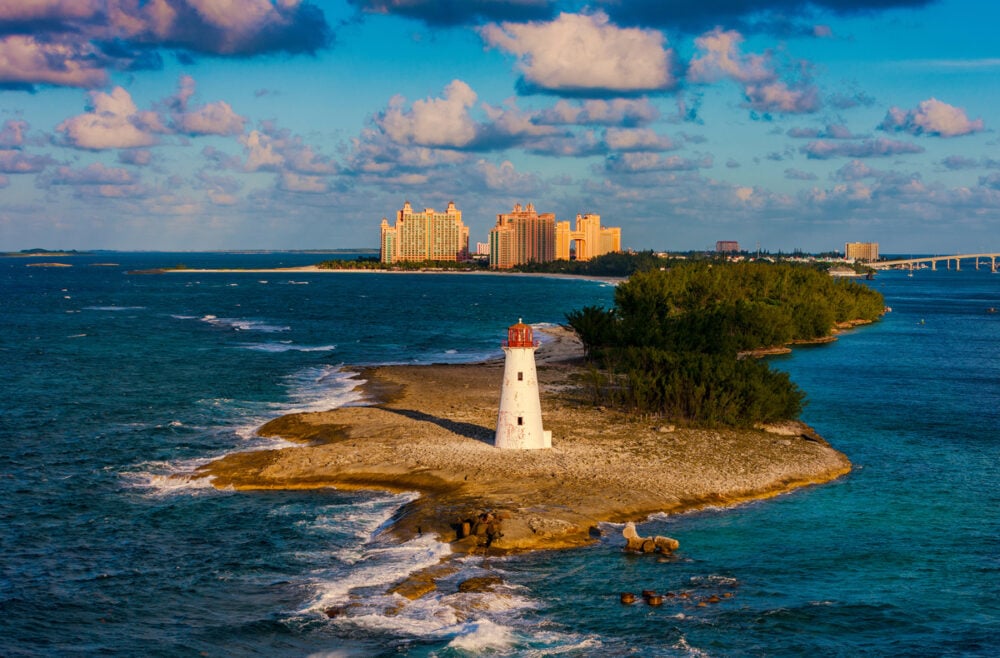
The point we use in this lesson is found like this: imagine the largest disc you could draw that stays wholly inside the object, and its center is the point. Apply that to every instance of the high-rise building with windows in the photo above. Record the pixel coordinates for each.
(863, 251)
(726, 246)
(425, 236)
(522, 236)
(590, 239)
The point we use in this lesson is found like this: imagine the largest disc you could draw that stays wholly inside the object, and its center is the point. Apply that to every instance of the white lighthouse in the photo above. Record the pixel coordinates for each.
(519, 421)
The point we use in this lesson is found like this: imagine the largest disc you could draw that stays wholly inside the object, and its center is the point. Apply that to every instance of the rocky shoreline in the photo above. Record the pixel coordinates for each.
(429, 429)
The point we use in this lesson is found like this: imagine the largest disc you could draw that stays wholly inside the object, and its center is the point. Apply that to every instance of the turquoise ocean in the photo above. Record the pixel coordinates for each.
(113, 383)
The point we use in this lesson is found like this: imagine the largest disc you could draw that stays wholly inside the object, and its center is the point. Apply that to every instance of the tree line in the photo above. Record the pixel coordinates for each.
(375, 263)
(674, 342)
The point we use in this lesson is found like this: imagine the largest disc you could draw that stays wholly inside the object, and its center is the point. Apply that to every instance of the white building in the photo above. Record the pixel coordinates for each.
(519, 420)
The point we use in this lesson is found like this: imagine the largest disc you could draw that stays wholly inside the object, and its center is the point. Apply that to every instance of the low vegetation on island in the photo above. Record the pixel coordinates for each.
(616, 264)
(675, 343)
(375, 263)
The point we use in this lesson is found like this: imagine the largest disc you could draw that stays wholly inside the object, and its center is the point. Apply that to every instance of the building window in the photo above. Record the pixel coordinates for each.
(520, 420)
(520, 376)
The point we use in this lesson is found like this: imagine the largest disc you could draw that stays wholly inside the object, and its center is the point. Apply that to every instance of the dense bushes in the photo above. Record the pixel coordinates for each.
(613, 264)
(674, 337)
(707, 388)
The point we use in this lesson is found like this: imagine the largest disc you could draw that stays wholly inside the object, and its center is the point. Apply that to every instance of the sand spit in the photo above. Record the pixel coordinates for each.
(430, 429)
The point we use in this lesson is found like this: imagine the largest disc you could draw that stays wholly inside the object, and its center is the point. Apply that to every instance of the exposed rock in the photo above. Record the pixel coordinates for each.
(633, 542)
(422, 582)
(666, 544)
(547, 527)
(415, 587)
(480, 584)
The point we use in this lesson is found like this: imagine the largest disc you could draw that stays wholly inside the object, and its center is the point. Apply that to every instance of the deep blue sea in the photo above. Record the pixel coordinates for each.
(114, 382)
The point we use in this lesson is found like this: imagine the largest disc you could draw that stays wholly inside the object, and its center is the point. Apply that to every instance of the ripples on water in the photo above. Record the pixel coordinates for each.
(115, 383)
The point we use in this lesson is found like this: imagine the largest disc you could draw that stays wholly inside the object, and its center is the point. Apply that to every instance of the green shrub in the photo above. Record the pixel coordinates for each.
(675, 336)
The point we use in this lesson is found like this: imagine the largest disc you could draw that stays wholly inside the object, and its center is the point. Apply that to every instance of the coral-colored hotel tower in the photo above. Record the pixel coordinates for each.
(519, 237)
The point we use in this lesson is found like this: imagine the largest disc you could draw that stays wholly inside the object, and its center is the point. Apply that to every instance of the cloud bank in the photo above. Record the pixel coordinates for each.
(76, 42)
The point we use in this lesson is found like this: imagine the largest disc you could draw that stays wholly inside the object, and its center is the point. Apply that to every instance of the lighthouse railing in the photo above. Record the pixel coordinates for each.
(520, 343)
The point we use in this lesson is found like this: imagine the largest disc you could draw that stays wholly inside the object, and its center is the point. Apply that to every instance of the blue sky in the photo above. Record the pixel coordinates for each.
(287, 124)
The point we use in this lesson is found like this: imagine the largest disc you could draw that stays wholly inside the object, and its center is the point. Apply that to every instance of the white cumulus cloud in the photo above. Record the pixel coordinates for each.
(433, 122)
(27, 60)
(931, 117)
(113, 122)
(721, 59)
(617, 111)
(637, 139)
(585, 52)
(216, 118)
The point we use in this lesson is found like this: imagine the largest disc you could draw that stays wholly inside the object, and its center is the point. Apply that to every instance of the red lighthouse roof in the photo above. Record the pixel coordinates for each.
(519, 335)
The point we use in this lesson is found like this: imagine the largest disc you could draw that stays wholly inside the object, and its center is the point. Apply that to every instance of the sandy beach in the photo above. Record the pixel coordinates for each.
(430, 429)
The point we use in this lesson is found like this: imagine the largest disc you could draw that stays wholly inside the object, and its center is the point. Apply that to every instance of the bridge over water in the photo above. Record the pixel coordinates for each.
(911, 263)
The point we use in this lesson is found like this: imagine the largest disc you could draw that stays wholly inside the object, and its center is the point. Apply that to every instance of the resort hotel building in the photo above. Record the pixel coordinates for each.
(588, 240)
(425, 236)
(525, 236)
(519, 237)
(862, 251)
(522, 236)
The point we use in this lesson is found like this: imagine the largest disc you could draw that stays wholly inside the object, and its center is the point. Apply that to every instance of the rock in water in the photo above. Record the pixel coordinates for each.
(666, 544)
(633, 542)
(480, 584)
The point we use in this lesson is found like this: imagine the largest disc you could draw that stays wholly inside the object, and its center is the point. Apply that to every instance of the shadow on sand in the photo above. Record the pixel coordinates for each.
(468, 430)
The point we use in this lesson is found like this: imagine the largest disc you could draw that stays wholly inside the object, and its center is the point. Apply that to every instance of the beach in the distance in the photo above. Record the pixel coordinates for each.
(313, 269)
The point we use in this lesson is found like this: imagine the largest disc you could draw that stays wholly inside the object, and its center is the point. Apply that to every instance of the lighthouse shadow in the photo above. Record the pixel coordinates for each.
(468, 430)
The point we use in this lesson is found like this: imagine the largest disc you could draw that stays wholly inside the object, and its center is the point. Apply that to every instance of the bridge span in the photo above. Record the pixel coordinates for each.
(910, 263)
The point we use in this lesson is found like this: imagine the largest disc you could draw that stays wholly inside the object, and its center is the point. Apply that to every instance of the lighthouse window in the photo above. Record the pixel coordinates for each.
(520, 420)
(520, 376)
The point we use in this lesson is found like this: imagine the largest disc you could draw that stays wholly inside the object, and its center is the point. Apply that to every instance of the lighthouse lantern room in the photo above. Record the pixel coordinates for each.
(519, 421)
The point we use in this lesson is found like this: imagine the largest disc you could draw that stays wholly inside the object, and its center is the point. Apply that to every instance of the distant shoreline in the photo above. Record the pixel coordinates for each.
(310, 269)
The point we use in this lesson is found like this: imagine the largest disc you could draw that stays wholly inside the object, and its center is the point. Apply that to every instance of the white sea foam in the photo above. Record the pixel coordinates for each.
(682, 645)
(362, 520)
(320, 388)
(378, 568)
(240, 324)
(555, 644)
(468, 622)
(162, 478)
(286, 347)
(483, 635)
(114, 308)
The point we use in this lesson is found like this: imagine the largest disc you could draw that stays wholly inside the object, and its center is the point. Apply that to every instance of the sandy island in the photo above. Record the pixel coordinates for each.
(430, 429)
